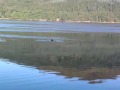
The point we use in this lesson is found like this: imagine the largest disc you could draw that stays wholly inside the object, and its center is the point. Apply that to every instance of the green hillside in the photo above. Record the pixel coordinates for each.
(75, 10)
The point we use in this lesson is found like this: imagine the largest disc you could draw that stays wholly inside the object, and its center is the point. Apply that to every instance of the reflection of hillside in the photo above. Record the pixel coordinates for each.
(93, 75)
(72, 58)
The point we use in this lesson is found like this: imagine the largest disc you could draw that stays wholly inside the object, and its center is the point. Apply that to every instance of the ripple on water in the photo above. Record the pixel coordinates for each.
(2, 40)
(50, 40)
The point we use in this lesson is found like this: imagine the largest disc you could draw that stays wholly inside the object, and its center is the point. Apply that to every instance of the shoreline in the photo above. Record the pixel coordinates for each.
(67, 21)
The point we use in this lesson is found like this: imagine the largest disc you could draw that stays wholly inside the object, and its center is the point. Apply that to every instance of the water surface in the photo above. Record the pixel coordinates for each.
(52, 56)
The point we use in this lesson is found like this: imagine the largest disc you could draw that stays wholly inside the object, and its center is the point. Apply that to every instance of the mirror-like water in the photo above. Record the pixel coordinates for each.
(52, 56)
(21, 77)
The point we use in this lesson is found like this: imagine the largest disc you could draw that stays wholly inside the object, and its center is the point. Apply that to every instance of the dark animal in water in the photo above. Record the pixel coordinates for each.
(51, 40)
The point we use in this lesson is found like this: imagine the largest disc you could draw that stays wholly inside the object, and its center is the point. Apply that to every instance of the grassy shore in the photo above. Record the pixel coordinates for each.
(67, 21)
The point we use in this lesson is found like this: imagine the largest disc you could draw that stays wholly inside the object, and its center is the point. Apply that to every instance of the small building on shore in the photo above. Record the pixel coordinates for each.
(57, 19)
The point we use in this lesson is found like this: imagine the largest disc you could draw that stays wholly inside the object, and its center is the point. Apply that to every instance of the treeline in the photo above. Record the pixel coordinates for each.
(65, 10)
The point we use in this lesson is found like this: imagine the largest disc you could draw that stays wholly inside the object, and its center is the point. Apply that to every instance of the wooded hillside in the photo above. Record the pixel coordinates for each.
(75, 10)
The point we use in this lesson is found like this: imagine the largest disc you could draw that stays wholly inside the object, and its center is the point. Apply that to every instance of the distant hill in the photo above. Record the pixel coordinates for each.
(72, 10)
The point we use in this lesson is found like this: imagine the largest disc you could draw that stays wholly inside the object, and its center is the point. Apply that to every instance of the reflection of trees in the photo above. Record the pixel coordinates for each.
(72, 58)
(93, 75)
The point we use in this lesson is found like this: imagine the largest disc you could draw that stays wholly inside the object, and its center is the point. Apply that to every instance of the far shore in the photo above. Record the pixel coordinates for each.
(67, 21)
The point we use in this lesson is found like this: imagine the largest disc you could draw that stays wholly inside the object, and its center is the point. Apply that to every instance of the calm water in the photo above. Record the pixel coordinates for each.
(59, 56)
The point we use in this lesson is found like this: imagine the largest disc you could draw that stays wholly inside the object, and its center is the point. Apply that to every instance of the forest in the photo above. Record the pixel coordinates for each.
(63, 10)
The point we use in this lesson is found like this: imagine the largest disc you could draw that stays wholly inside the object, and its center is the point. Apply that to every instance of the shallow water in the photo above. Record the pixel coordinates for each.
(52, 56)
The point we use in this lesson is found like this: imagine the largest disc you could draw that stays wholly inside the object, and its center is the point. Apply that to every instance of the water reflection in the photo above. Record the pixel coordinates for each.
(34, 56)
(92, 75)
(90, 58)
